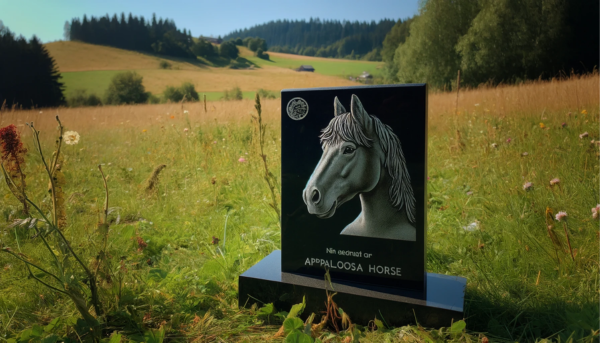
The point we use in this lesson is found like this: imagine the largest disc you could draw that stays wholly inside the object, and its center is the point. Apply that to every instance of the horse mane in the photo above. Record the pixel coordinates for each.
(345, 128)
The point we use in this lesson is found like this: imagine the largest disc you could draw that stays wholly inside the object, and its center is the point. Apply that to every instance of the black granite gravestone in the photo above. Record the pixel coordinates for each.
(354, 180)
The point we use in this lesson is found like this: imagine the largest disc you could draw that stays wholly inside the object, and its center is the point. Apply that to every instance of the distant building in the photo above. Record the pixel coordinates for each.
(212, 40)
(306, 68)
(365, 77)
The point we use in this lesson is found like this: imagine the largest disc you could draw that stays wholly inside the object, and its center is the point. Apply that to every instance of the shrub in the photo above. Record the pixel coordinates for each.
(238, 41)
(233, 94)
(261, 54)
(256, 43)
(80, 99)
(126, 88)
(172, 94)
(239, 63)
(204, 49)
(165, 65)
(265, 94)
(153, 99)
(176, 94)
(228, 50)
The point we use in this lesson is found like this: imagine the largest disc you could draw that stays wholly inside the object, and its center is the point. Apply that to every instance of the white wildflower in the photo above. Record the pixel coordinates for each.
(71, 137)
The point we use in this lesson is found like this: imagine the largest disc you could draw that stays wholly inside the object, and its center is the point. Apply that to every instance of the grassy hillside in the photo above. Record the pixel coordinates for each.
(325, 66)
(91, 67)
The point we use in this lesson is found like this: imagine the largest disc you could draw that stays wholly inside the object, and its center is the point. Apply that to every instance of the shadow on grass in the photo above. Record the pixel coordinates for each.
(516, 317)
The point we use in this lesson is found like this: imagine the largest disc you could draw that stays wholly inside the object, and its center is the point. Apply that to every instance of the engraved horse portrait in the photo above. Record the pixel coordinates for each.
(363, 156)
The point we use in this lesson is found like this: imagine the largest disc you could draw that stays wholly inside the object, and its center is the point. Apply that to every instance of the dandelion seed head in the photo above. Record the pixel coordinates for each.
(71, 137)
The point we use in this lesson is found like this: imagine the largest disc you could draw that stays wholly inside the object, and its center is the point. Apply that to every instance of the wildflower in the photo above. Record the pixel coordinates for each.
(41, 112)
(186, 130)
(524, 153)
(186, 112)
(494, 145)
(215, 240)
(12, 156)
(476, 105)
(144, 130)
(583, 135)
(584, 111)
(172, 117)
(470, 193)
(71, 137)
(242, 160)
(542, 126)
(554, 181)
(596, 211)
(561, 215)
(527, 186)
(508, 140)
(214, 142)
(564, 124)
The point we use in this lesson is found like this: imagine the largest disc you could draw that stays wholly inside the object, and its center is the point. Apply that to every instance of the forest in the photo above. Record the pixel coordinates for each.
(321, 38)
(504, 41)
(29, 76)
(134, 33)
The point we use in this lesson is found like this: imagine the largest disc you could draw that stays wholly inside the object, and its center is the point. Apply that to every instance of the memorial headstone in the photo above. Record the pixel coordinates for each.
(354, 184)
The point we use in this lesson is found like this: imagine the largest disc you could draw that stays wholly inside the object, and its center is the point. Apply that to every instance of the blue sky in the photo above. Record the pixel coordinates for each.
(46, 18)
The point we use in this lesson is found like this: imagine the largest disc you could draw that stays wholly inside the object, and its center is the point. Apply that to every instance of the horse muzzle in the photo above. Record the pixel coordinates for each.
(315, 203)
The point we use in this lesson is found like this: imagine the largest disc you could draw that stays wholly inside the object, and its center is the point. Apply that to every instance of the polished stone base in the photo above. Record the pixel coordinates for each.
(438, 306)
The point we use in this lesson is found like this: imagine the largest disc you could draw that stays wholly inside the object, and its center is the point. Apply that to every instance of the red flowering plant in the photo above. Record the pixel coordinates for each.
(12, 159)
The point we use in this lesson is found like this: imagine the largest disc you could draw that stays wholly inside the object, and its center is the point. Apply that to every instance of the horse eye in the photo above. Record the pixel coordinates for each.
(348, 150)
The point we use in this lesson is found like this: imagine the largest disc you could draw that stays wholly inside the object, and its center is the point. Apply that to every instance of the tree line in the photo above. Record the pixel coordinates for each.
(28, 75)
(323, 38)
(133, 33)
(492, 41)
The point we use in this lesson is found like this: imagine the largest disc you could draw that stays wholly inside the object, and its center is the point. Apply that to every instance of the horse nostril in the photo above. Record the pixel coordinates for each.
(315, 196)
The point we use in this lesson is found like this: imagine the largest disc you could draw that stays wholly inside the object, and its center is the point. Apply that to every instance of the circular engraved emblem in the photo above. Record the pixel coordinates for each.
(297, 108)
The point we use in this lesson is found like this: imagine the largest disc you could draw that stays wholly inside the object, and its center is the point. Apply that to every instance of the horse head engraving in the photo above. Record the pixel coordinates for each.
(362, 156)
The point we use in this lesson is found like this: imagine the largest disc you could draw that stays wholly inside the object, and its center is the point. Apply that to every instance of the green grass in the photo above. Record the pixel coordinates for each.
(333, 67)
(95, 81)
(185, 285)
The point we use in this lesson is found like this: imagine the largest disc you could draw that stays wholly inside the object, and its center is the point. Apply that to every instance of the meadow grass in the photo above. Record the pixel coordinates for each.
(482, 224)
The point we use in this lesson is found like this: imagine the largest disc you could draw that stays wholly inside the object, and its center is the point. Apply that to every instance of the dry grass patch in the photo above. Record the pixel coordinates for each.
(78, 56)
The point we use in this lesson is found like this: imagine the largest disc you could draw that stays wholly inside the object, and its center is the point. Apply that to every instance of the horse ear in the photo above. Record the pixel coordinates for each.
(358, 112)
(338, 107)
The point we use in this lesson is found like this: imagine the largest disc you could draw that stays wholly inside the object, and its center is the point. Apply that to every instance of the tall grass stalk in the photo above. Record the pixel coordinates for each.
(269, 177)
